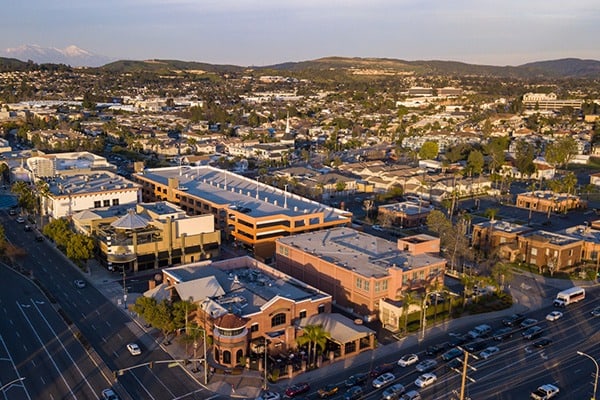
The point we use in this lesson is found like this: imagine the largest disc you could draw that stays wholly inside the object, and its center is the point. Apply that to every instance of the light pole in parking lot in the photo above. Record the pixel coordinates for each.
(581, 353)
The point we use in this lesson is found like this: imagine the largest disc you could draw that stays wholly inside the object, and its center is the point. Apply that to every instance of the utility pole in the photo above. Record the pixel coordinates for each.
(464, 376)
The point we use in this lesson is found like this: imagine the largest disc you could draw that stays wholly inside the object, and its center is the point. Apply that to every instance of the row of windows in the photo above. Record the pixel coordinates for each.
(105, 203)
(280, 319)
(534, 252)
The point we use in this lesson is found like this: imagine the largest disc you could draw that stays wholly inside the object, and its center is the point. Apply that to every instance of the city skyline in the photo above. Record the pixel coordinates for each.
(266, 32)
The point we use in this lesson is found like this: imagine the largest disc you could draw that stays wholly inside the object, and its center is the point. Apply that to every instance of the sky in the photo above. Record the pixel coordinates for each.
(266, 32)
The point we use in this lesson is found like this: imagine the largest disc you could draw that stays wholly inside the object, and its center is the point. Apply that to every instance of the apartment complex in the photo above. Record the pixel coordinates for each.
(359, 269)
(243, 304)
(548, 101)
(250, 212)
(549, 201)
(406, 214)
(149, 235)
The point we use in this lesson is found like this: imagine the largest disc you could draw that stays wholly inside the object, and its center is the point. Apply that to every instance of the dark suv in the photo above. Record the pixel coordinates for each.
(513, 320)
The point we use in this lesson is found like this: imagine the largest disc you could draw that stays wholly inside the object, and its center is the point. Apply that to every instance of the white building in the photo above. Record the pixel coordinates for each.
(70, 194)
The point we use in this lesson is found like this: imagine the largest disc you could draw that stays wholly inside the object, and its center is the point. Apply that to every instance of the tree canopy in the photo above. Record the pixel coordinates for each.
(429, 150)
(560, 152)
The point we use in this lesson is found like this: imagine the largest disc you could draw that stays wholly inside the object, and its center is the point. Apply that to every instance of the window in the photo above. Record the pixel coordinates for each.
(97, 204)
(106, 203)
(350, 347)
(534, 251)
(115, 202)
(278, 319)
(570, 253)
(302, 314)
(321, 309)
(359, 283)
(366, 285)
(254, 328)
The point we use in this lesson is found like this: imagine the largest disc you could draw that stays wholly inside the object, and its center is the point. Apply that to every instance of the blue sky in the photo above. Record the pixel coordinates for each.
(263, 32)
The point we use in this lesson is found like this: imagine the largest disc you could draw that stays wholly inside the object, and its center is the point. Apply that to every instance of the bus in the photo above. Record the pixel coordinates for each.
(568, 296)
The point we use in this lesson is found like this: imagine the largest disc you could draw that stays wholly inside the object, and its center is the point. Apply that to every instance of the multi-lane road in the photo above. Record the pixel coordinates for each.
(66, 341)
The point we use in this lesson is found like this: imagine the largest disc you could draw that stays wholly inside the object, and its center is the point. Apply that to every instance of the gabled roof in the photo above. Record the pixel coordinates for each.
(199, 289)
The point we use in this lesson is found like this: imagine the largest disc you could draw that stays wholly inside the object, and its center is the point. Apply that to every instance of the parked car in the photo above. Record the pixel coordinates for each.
(268, 395)
(28, 228)
(595, 312)
(109, 394)
(545, 392)
(412, 395)
(513, 320)
(452, 353)
(528, 322)
(134, 349)
(354, 393)
(458, 340)
(327, 391)
(357, 379)
(436, 349)
(533, 332)
(408, 359)
(426, 380)
(383, 380)
(393, 392)
(377, 228)
(39, 238)
(480, 331)
(79, 283)
(12, 212)
(543, 342)
(554, 315)
(20, 220)
(476, 345)
(488, 352)
(503, 333)
(426, 365)
(298, 388)
(381, 369)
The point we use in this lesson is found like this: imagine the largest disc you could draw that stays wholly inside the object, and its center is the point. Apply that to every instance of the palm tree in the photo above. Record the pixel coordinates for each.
(315, 336)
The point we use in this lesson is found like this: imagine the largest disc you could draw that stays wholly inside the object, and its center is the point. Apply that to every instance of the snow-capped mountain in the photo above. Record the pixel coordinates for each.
(71, 55)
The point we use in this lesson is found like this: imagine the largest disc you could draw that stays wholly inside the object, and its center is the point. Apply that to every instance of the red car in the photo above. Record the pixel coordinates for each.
(297, 389)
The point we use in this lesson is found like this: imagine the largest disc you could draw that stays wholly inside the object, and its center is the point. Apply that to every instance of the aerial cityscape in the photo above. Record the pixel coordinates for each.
(254, 200)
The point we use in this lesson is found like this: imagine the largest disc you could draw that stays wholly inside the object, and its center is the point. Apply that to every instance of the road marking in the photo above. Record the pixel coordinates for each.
(65, 350)
(13, 364)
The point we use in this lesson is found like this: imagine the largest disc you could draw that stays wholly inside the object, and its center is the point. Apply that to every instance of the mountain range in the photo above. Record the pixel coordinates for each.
(76, 57)
(70, 55)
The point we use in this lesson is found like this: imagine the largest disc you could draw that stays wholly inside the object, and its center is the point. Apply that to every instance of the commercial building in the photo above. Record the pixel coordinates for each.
(75, 163)
(359, 269)
(69, 194)
(243, 304)
(548, 201)
(406, 214)
(548, 101)
(149, 235)
(250, 212)
(550, 250)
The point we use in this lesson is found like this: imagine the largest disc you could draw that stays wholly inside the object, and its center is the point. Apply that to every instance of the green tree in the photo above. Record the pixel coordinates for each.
(429, 150)
(59, 231)
(495, 152)
(524, 156)
(407, 300)
(315, 337)
(502, 274)
(560, 152)
(475, 162)
(26, 198)
(79, 248)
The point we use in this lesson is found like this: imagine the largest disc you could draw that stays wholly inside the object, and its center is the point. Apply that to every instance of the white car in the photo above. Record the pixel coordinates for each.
(545, 392)
(377, 228)
(554, 315)
(134, 349)
(383, 379)
(426, 380)
(488, 352)
(268, 395)
(408, 359)
(20, 220)
(80, 284)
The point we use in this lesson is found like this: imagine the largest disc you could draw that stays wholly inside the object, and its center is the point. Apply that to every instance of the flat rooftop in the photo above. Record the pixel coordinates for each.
(246, 284)
(367, 255)
(88, 183)
(551, 237)
(408, 207)
(235, 191)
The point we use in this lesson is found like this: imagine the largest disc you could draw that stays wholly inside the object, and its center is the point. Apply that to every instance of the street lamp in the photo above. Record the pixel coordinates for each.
(581, 353)
(196, 348)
